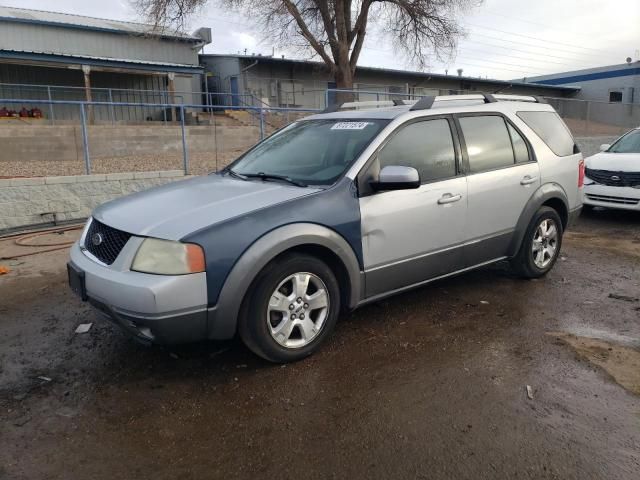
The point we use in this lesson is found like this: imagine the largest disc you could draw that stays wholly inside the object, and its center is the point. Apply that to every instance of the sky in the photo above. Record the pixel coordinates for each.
(505, 39)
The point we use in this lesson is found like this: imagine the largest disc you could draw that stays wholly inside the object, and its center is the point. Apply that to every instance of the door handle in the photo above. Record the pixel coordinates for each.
(448, 198)
(528, 180)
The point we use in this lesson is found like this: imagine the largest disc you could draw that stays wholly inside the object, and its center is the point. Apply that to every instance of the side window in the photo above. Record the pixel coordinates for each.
(426, 146)
(488, 142)
(519, 145)
(552, 130)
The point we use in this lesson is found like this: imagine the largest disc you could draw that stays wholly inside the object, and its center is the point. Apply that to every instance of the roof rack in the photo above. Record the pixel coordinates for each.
(427, 102)
(364, 105)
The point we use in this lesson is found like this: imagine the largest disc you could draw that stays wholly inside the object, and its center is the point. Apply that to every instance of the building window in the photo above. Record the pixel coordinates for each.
(615, 96)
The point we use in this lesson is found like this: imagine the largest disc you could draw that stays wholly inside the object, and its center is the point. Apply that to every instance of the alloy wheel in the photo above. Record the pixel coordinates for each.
(298, 309)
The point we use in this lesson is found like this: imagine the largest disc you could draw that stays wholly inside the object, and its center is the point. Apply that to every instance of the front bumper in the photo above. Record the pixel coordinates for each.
(626, 198)
(152, 308)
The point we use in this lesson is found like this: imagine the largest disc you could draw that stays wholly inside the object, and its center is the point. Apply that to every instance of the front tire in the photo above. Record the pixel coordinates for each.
(541, 244)
(292, 307)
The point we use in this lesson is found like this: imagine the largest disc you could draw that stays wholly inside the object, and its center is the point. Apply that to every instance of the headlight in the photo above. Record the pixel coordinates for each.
(165, 257)
(588, 181)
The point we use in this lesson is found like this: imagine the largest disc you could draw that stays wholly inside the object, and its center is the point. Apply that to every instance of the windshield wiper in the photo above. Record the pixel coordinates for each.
(266, 176)
(236, 174)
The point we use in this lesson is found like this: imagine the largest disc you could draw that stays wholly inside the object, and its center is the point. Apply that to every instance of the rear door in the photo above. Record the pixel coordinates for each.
(502, 175)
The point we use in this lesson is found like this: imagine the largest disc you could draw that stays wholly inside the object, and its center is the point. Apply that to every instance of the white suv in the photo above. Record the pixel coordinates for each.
(332, 212)
(613, 176)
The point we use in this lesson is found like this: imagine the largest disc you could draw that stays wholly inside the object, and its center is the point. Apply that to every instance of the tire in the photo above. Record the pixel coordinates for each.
(284, 317)
(534, 265)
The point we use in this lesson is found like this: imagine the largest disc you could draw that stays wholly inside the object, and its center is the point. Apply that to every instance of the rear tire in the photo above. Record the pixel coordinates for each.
(540, 246)
(292, 307)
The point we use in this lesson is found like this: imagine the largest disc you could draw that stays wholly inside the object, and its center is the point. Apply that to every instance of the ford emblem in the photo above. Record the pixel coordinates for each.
(97, 239)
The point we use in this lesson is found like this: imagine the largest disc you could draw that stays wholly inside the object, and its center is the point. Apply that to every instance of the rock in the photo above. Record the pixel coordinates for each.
(625, 298)
(83, 327)
(529, 392)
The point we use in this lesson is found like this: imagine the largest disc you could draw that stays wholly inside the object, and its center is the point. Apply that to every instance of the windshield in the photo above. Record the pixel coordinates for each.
(630, 143)
(315, 152)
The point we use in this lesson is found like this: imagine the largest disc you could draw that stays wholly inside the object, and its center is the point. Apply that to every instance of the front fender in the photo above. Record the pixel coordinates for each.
(222, 319)
(546, 192)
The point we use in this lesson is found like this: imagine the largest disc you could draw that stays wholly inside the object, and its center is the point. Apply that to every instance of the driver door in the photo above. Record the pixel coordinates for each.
(410, 236)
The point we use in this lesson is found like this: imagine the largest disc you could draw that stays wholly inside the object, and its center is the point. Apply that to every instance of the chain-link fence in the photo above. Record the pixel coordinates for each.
(199, 140)
(589, 118)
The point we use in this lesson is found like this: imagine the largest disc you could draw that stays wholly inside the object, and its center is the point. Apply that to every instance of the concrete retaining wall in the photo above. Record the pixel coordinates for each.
(32, 201)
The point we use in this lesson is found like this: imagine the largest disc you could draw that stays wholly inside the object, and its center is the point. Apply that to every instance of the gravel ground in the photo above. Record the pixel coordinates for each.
(428, 384)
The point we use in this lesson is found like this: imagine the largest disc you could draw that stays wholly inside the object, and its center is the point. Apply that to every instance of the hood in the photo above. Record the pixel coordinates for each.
(176, 209)
(614, 162)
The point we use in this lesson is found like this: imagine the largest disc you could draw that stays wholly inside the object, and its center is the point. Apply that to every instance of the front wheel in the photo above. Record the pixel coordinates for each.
(293, 306)
(541, 244)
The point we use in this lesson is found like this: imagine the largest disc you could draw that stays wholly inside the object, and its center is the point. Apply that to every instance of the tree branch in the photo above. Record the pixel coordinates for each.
(306, 33)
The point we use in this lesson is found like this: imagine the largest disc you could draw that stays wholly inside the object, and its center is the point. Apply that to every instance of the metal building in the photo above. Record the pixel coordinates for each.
(610, 96)
(281, 82)
(47, 55)
(613, 83)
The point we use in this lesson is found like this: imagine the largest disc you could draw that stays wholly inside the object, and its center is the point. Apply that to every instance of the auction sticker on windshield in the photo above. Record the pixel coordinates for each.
(350, 125)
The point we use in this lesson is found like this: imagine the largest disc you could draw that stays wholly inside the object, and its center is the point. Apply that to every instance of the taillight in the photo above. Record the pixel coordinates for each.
(581, 174)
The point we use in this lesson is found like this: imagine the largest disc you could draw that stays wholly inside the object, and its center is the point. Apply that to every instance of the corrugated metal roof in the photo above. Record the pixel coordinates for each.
(78, 21)
(392, 71)
(105, 60)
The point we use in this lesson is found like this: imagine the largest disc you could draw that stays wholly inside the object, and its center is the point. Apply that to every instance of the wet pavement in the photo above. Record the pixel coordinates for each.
(428, 384)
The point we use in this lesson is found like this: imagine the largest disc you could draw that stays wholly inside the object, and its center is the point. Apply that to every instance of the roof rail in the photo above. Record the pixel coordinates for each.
(365, 104)
(427, 102)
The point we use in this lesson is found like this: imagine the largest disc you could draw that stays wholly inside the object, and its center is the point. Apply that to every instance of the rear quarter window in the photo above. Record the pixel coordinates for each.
(552, 130)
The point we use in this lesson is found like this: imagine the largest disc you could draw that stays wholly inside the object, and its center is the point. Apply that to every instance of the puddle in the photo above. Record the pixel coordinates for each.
(621, 362)
(612, 243)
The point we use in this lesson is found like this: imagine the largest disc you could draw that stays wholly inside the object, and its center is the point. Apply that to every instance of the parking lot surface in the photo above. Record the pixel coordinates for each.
(429, 384)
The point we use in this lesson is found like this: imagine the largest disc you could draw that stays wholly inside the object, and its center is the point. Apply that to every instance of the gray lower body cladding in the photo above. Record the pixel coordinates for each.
(184, 328)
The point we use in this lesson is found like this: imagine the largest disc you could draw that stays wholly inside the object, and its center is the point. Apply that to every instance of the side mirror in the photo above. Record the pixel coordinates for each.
(394, 177)
(604, 147)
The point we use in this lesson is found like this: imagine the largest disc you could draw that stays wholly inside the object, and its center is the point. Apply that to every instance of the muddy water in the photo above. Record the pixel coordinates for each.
(430, 384)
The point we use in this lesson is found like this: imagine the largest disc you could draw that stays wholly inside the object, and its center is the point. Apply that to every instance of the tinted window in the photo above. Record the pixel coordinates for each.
(551, 129)
(426, 146)
(630, 143)
(315, 152)
(519, 145)
(488, 142)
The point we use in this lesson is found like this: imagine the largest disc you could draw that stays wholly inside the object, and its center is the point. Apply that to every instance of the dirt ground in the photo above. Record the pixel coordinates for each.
(429, 384)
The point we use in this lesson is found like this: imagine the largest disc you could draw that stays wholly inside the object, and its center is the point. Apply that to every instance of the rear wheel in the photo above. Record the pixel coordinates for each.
(541, 244)
(293, 306)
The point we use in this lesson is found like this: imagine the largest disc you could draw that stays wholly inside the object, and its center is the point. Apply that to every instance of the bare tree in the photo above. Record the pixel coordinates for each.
(335, 30)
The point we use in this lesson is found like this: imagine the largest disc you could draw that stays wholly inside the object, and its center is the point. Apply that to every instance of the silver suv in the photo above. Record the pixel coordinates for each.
(332, 212)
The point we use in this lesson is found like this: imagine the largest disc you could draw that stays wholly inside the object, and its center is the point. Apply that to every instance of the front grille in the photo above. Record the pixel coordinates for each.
(104, 242)
(614, 179)
(610, 199)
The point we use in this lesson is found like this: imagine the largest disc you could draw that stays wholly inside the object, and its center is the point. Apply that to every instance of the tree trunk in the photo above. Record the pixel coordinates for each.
(344, 81)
